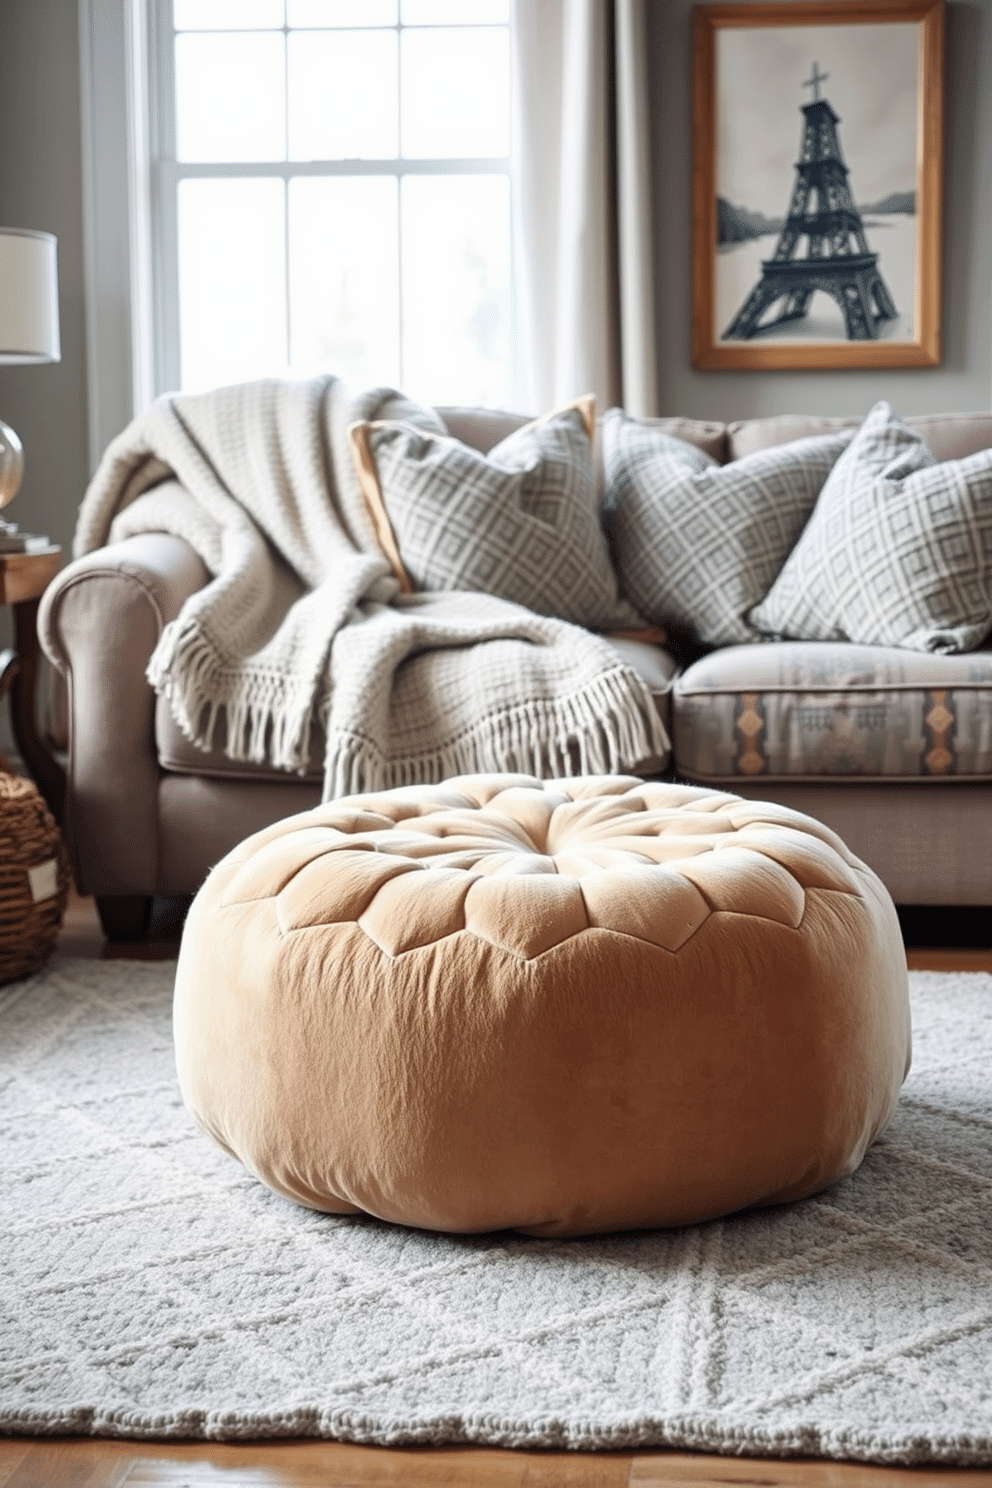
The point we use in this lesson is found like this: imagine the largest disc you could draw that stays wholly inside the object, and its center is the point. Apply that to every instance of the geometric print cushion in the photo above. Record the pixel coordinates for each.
(898, 551)
(819, 710)
(697, 544)
(522, 522)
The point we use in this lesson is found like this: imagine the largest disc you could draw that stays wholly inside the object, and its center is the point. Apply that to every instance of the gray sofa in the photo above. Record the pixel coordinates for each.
(891, 748)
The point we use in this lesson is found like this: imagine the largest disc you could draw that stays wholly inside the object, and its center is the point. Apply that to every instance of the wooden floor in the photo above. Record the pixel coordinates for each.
(110, 1464)
(68, 1463)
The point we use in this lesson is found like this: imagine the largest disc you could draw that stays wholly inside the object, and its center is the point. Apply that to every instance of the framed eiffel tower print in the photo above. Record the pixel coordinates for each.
(817, 183)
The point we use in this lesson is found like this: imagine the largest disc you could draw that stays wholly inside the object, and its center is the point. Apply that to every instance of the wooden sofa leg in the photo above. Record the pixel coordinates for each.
(125, 916)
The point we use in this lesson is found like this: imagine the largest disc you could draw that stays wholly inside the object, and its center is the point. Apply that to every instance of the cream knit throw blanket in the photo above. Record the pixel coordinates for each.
(301, 622)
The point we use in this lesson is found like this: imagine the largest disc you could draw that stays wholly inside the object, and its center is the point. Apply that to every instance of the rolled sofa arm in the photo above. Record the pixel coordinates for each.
(98, 623)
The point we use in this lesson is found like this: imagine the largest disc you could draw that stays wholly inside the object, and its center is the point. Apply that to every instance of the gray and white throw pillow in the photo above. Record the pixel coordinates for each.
(697, 544)
(898, 551)
(521, 522)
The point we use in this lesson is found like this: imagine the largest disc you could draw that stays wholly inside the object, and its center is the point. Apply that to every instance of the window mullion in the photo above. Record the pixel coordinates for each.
(469, 166)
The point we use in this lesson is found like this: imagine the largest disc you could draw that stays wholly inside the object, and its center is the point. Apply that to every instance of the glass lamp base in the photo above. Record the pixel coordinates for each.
(11, 463)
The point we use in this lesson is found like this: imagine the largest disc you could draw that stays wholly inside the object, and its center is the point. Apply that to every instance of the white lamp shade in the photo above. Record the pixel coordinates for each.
(29, 297)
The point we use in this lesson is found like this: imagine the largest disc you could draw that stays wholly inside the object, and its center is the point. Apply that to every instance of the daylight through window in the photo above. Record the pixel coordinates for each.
(334, 194)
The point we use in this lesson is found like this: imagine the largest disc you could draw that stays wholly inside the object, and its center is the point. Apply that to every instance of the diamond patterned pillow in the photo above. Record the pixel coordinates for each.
(522, 522)
(898, 551)
(697, 544)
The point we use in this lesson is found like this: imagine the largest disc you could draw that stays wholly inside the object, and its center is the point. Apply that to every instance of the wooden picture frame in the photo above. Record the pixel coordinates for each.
(764, 132)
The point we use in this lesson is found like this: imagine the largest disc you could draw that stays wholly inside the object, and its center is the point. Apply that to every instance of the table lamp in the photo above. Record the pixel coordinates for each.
(29, 332)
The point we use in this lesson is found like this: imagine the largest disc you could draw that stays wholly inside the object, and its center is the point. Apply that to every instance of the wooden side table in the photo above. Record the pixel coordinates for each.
(24, 577)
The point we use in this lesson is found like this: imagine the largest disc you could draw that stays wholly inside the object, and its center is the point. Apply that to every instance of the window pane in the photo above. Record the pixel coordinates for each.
(454, 12)
(344, 277)
(456, 93)
(342, 95)
(226, 15)
(230, 97)
(342, 12)
(456, 288)
(232, 279)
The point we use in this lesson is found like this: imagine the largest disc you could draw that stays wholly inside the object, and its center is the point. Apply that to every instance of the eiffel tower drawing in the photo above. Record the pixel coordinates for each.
(838, 259)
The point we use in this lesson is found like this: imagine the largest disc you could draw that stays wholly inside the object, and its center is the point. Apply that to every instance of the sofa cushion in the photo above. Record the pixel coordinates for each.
(698, 544)
(898, 551)
(709, 437)
(949, 435)
(179, 756)
(797, 710)
(522, 522)
(482, 428)
(485, 427)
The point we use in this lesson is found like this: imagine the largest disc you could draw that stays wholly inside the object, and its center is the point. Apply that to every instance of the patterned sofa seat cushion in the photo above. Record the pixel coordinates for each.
(815, 710)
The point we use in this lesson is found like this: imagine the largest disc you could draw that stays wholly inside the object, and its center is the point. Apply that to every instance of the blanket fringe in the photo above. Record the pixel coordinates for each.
(267, 719)
(607, 728)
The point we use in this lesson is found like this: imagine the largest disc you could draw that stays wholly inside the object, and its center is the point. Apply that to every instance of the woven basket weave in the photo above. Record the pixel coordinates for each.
(32, 863)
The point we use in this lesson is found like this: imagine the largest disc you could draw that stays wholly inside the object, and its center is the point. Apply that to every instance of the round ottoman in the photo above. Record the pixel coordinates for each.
(557, 1006)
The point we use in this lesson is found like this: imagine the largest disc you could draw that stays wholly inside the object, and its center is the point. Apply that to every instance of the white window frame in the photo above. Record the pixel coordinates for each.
(130, 180)
(167, 172)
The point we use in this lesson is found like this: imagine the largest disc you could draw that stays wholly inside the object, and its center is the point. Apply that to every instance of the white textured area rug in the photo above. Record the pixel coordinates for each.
(153, 1288)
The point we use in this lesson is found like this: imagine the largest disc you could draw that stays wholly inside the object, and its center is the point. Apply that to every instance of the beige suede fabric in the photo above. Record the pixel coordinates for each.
(560, 1007)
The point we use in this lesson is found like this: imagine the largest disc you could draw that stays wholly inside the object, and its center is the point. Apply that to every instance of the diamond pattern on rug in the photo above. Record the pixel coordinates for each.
(156, 1289)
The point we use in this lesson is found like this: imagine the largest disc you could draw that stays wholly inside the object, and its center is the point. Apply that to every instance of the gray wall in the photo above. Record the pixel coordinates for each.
(964, 379)
(40, 169)
(40, 188)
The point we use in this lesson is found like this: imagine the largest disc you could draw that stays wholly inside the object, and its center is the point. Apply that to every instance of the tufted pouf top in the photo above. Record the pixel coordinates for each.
(558, 1006)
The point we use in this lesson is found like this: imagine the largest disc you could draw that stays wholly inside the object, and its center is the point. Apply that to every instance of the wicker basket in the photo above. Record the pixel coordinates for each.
(34, 879)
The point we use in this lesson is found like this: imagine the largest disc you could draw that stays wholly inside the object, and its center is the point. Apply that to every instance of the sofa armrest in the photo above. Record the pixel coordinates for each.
(98, 623)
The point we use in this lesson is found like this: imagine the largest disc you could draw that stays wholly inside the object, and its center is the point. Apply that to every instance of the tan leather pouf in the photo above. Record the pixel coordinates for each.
(560, 1006)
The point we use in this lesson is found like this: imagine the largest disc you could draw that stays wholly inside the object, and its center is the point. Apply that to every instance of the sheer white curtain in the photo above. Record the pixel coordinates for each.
(583, 249)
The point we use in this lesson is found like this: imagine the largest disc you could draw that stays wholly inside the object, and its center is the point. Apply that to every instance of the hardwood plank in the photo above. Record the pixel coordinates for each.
(947, 960)
(60, 1463)
(12, 1454)
(117, 1464)
(81, 935)
(675, 1469)
(339, 1465)
(376, 1467)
